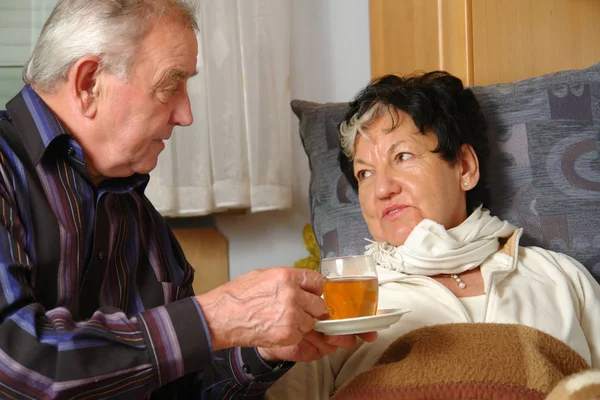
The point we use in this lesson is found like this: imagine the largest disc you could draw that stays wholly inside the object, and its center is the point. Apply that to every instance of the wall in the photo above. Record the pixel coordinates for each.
(330, 62)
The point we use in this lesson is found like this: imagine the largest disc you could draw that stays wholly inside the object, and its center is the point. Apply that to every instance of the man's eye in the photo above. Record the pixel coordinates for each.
(165, 95)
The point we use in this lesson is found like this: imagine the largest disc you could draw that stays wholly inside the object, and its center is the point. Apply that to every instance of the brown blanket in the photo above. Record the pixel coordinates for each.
(467, 361)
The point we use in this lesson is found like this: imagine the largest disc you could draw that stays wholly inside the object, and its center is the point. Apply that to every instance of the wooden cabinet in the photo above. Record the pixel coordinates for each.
(206, 249)
(484, 41)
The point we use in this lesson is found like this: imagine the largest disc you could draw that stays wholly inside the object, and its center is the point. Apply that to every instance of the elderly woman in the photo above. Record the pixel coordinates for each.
(415, 150)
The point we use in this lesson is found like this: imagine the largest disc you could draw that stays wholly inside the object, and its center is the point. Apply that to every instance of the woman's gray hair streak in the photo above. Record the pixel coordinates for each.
(109, 29)
(357, 125)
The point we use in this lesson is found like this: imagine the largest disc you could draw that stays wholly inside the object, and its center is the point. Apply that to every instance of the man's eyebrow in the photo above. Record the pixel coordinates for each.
(176, 74)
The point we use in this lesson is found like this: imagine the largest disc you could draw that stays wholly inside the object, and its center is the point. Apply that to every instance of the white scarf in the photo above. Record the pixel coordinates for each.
(430, 249)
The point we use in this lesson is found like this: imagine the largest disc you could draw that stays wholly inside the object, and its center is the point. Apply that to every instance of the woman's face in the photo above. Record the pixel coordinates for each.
(402, 182)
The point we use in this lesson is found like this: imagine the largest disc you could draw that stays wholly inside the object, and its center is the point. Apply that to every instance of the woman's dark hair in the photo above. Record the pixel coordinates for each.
(437, 102)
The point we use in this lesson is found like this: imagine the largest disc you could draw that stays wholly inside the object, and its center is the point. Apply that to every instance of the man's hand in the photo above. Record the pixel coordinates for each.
(313, 346)
(272, 307)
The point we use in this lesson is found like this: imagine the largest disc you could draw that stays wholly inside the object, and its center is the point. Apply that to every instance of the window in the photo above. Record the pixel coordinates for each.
(20, 25)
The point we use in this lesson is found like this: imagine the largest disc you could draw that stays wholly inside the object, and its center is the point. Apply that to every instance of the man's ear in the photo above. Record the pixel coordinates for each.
(85, 85)
(469, 167)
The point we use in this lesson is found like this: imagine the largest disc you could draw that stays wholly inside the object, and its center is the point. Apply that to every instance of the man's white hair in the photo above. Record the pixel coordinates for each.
(109, 29)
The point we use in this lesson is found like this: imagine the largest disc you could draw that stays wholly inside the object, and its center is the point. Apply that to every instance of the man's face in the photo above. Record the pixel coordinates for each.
(136, 116)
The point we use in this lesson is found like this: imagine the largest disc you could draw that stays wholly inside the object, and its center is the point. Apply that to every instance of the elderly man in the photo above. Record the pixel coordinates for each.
(96, 297)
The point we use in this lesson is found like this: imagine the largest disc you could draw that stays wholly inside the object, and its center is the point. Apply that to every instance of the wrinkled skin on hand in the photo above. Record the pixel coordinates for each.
(267, 308)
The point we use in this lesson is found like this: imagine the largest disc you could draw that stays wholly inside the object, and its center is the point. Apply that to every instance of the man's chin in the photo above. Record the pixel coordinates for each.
(147, 164)
(145, 168)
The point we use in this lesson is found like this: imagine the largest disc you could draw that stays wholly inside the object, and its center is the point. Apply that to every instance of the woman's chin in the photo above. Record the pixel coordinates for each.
(396, 238)
(397, 242)
(396, 233)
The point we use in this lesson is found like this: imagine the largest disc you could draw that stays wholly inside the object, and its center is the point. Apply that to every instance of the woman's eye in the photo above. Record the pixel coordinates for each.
(403, 156)
(362, 174)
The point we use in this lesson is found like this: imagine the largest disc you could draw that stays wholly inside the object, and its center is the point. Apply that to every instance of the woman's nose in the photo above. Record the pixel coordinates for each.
(386, 184)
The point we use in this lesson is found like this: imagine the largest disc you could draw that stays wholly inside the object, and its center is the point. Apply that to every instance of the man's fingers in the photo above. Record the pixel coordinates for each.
(308, 297)
(368, 336)
(311, 304)
(343, 341)
(310, 281)
(318, 340)
(324, 317)
(306, 324)
(349, 341)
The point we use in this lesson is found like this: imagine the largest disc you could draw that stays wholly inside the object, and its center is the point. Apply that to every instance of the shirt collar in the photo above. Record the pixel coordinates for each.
(38, 124)
(136, 182)
(41, 128)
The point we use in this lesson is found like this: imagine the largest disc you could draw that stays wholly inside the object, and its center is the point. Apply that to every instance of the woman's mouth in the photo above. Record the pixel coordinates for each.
(392, 211)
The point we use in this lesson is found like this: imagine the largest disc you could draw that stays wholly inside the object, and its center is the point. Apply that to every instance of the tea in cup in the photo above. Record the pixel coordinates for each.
(350, 289)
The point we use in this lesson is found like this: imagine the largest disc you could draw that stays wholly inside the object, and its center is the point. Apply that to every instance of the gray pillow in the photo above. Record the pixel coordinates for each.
(335, 214)
(545, 137)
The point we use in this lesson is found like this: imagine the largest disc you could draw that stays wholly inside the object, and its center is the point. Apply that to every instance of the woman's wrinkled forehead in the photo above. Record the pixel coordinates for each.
(360, 124)
(384, 123)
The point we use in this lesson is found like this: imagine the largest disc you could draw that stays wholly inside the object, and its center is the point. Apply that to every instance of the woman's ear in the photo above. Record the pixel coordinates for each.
(469, 167)
(84, 84)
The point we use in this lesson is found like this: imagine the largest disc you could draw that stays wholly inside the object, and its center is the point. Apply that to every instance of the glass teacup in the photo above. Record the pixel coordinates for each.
(350, 289)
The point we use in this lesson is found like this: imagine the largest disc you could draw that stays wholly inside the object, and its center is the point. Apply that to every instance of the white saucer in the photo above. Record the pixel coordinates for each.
(383, 319)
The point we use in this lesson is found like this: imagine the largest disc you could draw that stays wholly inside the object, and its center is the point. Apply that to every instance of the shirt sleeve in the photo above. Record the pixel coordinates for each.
(241, 373)
(231, 373)
(226, 374)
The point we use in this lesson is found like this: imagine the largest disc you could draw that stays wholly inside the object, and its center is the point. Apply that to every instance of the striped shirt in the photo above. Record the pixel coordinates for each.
(94, 288)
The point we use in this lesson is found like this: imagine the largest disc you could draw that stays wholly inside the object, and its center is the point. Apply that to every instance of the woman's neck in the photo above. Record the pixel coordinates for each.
(472, 280)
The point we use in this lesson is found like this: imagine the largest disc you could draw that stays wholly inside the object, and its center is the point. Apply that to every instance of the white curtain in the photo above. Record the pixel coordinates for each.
(237, 153)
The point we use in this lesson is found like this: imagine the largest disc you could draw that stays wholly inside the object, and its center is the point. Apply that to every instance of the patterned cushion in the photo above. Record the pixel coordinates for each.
(335, 214)
(545, 136)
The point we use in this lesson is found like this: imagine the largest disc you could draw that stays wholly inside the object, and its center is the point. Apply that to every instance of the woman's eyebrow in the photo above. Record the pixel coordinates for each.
(360, 161)
(393, 146)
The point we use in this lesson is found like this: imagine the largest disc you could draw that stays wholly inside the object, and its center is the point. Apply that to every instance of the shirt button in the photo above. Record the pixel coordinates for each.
(71, 152)
(246, 369)
(100, 255)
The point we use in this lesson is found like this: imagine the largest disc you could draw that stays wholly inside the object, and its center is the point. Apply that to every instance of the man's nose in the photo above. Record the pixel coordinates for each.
(182, 113)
